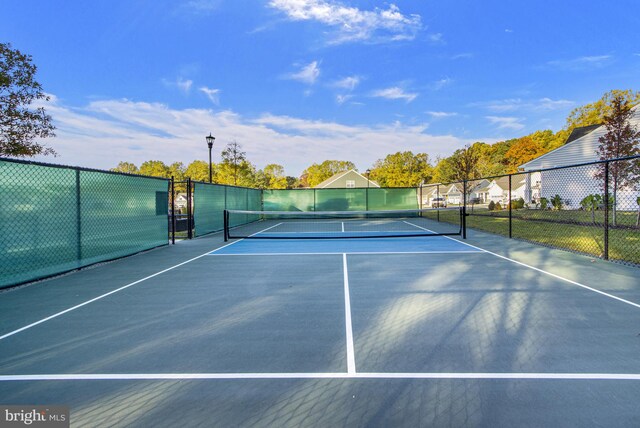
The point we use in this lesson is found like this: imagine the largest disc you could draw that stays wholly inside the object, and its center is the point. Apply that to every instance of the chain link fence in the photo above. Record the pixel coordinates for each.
(591, 208)
(54, 219)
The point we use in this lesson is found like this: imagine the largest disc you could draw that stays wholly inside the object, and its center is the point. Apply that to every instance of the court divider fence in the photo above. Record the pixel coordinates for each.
(562, 207)
(55, 219)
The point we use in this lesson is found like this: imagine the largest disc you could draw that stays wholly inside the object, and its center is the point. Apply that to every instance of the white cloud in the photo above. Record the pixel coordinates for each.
(212, 94)
(307, 74)
(184, 85)
(581, 63)
(549, 104)
(441, 114)
(506, 122)
(436, 39)
(341, 99)
(394, 93)
(352, 24)
(106, 132)
(348, 83)
(439, 84)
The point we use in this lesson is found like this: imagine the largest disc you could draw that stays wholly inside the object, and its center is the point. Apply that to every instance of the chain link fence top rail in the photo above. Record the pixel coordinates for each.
(563, 207)
(54, 219)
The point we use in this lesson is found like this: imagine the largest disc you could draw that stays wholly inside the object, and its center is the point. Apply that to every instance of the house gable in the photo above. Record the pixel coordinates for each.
(339, 181)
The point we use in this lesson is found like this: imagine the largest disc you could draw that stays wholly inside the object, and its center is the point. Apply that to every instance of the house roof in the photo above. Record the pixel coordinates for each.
(581, 132)
(503, 182)
(583, 149)
(340, 175)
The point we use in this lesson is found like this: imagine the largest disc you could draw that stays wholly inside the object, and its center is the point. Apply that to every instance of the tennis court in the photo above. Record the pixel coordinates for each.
(387, 331)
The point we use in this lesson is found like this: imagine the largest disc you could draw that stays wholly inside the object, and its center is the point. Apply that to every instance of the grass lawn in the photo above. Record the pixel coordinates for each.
(572, 230)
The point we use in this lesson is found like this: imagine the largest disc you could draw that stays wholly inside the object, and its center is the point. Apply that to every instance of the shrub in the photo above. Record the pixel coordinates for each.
(492, 206)
(543, 203)
(498, 207)
(556, 201)
(520, 203)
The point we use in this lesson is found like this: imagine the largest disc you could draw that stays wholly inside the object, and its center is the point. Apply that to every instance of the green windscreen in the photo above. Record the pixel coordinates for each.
(379, 199)
(289, 200)
(55, 219)
(209, 204)
(341, 199)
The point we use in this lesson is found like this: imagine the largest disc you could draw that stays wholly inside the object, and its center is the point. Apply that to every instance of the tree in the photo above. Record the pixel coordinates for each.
(126, 167)
(274, 177)
(521, 151)
(464, 164)
(241, 174)
(402, 169)
(621, 140)
(20, 125)
(198, 170)
(232, 159)
(317, 173)
(155, 169)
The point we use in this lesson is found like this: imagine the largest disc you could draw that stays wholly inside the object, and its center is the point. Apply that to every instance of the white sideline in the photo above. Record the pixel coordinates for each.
(256, 376)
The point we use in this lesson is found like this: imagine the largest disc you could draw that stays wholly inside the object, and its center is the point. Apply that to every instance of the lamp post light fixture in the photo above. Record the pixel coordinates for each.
(210, 139)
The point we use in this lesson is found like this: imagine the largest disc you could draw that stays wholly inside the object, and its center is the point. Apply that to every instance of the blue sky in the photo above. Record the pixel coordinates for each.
(300, 81)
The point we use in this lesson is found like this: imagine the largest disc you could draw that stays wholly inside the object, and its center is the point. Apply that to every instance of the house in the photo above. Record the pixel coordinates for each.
(479, 191)
(351, 179)
(498, 189)
(180, 201)
(574, 184)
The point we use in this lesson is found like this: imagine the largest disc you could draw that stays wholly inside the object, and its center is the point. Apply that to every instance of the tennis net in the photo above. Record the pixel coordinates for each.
(343, 224)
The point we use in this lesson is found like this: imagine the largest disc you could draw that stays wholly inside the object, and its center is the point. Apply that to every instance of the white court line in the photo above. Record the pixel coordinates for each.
(351, 359)
(256, 376)
(586, 287)
(73, 308)
(343, 226)
(350, 253)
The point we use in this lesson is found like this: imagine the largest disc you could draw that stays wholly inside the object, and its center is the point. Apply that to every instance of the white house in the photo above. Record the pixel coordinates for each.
(498, 190)
(574, 184)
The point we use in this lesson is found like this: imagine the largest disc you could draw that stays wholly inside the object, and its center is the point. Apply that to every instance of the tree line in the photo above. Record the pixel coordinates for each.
(401, 169)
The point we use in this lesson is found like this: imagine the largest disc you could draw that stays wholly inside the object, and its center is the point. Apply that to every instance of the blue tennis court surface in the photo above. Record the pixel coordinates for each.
(435, 244)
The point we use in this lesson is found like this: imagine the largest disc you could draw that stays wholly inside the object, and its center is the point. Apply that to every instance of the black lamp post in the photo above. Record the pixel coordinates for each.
(210, 139)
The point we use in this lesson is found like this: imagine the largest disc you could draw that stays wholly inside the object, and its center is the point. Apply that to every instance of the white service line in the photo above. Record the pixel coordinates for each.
(73, 308)
(351, 359)
(586, 287)
(256, 376)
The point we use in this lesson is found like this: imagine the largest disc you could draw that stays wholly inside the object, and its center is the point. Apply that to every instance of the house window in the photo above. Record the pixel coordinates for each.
(351, 184)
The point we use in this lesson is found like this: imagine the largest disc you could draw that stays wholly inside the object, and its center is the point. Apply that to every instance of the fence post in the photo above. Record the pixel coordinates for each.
(606, 211)
(510, 210)
(173, 210)
(78, 220)
(438, 202)
(464, 209)
(189, 210)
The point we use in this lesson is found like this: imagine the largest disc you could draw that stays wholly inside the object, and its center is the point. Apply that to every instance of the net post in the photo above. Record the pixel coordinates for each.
(606, 211)
(189, 210)
(173, 210)
(463, 212)
(225, 215)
